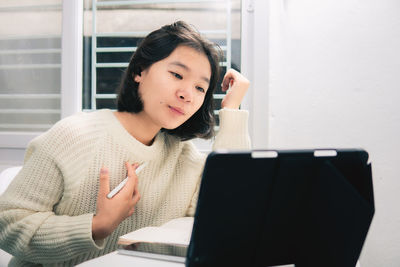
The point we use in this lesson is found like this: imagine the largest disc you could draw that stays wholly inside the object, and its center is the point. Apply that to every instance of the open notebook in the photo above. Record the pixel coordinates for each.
(175, 232)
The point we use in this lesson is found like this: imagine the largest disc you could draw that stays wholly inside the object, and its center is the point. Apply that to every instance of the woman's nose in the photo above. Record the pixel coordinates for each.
(185, 94)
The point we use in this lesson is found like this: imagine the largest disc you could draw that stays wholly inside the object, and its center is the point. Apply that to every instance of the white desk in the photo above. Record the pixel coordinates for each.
(115, 259)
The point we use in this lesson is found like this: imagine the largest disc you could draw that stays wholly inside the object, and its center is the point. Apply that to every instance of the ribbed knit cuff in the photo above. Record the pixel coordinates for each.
(63, 238)
(233, 120)
(233, 130)
(79, 233)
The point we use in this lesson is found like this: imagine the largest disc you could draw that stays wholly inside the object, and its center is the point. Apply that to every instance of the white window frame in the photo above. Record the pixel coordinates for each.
(72, 58)
(255, 66)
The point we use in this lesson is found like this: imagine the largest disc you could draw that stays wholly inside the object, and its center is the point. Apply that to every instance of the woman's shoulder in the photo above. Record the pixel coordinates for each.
(82, 120)
(73, 129)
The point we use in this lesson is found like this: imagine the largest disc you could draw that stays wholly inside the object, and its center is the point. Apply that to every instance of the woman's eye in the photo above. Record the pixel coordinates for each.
(201, 89)
(176, 75)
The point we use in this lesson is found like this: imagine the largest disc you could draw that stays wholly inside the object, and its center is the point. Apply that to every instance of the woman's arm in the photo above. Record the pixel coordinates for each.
(233, 128)
(29, 228)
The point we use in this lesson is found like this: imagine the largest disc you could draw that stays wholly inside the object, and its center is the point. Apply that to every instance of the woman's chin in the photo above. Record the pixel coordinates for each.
(171, 126)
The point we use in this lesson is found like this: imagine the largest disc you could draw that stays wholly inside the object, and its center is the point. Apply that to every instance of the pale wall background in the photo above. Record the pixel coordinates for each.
(334, 81)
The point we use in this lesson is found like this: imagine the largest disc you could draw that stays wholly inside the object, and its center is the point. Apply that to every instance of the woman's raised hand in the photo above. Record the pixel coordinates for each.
(238, 88)
(111, 212)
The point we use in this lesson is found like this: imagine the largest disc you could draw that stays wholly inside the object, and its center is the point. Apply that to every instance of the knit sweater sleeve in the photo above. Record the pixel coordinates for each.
(233, 130)
(29, 228)
(233, 134)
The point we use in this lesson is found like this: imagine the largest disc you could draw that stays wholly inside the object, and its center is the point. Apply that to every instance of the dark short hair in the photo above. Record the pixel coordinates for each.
(158, 45)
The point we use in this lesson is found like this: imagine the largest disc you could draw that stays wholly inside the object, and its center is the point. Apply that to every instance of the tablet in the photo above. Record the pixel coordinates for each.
(266, 208)
(158, 251)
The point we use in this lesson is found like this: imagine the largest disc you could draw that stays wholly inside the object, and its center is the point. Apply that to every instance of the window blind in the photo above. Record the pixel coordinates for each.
(30, 65)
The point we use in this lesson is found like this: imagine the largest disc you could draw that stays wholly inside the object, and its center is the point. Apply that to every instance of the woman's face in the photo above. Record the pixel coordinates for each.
(174, 88)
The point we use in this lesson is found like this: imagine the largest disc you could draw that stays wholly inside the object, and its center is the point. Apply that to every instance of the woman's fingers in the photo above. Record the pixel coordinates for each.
(232, 78)
(226, 82)
(104, 182)
(132, 177)
(239, 85)
(136, 197)
(136, 191)
(130, 189)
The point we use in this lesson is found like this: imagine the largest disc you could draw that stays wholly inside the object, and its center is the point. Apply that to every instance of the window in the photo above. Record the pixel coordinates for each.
(112, 30)
(30, 65)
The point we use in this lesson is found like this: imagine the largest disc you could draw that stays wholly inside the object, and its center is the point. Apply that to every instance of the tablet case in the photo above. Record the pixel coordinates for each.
(294, 208)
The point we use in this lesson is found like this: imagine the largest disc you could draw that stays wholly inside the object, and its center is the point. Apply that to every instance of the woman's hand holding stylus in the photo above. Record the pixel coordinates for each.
(237, 85)
(111, 212)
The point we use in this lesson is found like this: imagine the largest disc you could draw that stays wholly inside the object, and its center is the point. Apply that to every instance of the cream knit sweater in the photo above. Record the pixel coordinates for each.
(46, 213)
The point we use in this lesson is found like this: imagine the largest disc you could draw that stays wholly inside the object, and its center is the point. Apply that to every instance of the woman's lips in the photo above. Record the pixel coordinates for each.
(177, 110)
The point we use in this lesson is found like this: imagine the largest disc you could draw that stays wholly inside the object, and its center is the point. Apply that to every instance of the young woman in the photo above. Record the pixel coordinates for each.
(56, 211)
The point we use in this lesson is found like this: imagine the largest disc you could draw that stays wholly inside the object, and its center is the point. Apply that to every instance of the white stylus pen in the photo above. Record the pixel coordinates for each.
(122, 184)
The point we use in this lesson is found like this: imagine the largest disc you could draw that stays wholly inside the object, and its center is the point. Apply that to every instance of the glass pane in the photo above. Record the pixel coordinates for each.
(30, 64)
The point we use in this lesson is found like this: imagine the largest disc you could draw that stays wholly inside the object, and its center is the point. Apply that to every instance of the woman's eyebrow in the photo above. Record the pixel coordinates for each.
(180, 64)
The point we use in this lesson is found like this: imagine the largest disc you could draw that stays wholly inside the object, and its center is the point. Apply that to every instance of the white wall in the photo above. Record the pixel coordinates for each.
(334, 81)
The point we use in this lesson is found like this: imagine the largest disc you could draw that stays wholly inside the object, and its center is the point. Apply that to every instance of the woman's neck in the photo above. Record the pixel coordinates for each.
(138, 126)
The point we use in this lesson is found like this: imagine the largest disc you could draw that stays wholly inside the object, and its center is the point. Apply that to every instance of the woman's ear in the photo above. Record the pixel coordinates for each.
(137, 78)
